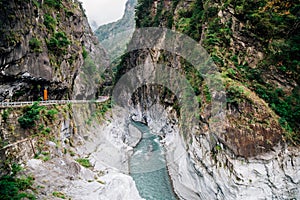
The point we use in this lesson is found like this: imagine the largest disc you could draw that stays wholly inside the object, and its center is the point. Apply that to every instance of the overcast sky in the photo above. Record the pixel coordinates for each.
(103, 11)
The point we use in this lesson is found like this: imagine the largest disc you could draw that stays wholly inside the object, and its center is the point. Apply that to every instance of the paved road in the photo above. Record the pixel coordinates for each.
(101, 99)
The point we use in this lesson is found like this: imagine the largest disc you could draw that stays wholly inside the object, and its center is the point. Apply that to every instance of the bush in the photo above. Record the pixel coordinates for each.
(84, 53)
(32, 113)
(53, 3)
(143, 10)
(5, 115)
(51, 114)
(50, 22)
(13, 187)
(59, 42)
(45, 131)
(285, 105)
(212, 12)
(195, 26)
(35, 45)
(84, 162)
(59, 195)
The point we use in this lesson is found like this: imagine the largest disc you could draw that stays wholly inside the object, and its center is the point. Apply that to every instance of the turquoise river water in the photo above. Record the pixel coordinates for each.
(148, 168)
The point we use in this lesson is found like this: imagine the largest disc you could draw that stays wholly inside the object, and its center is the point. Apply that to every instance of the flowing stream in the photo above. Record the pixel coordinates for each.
(148, 167)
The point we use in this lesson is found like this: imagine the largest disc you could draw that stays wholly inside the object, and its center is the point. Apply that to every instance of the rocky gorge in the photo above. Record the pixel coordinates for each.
(252, 157)
(248, 148)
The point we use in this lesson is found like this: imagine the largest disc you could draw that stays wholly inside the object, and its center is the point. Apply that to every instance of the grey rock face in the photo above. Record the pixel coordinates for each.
(42, 46)
(201, 174)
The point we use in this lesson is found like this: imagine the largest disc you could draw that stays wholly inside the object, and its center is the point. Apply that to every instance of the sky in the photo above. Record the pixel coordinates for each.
(103, 11)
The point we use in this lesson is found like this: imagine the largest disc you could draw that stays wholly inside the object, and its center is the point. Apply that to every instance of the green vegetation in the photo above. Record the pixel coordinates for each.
(36, 3)
(102, 108)
(14, 187)
(35, 45)
(58, 43)
(30, 116)
(50, 22)
(142, 14)
(84, 162)
(194, 26)
(51, 114)
(72, 153)
(44, 116)
(45, 131)
(5, 114)
(84, 53)
(59, 194)
(89, 67)
(194, 77)
(57, 4)
(282, 51)
(274, 24)
(100, 111)
(143, 11)
(12, 38)
(287, 106)
(218, 148)
(46, 158)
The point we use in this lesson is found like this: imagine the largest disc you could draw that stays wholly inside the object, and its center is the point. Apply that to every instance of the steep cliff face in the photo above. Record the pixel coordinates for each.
(43, 45)
(126, 23)
(252, 45)
(114, 36)
(250, 64)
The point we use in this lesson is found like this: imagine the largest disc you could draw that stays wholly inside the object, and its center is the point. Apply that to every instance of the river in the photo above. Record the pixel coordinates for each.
(148, 167)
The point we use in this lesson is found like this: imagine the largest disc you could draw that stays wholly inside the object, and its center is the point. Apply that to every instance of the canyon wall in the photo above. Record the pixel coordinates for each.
(256, 152)
(47, 44)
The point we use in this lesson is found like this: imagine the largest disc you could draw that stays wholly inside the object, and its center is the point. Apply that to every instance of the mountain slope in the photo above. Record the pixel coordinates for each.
(127, 22)
(254, 45)
(114, 36)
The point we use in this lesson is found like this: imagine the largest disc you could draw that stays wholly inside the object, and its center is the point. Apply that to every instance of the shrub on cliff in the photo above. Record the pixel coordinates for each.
(13, 187)
(57, 4)
(31, 114)
(58, 43)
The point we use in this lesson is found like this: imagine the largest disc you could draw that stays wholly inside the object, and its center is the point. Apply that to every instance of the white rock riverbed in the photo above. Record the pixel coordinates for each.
(108, 177)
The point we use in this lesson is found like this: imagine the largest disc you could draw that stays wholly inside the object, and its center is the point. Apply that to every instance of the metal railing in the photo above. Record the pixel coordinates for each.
(101, 99)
